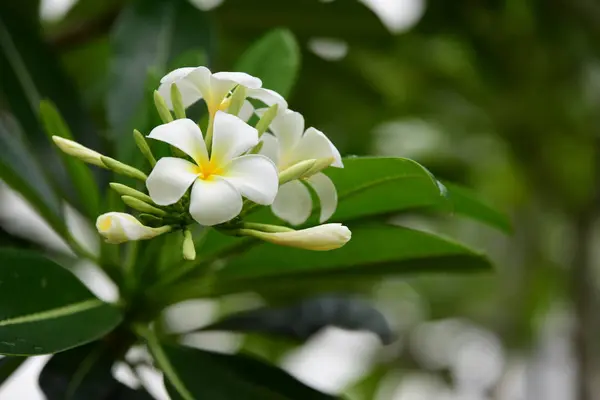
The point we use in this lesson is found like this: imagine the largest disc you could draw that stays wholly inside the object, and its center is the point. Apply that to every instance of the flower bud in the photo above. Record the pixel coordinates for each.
(296, 171)
(319, 166)
(123, 169)
(78, 151)
(142, 145)
(236, 100)
(318, 238)
(265, 120)
(189, 249)
(177, 102)
(120, 227)
(127, 191)
(144, 207)
(161, 107)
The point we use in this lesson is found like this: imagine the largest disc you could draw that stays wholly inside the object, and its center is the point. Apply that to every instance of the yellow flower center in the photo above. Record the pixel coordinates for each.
(208, 170)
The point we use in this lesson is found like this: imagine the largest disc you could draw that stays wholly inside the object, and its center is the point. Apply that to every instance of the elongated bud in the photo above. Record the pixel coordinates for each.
(296, 171)
(237, 100)
(78, 151)
(319, 166)
(139, 205)
(150, 220)
(189, 249)
(177, 102)
(142, 145)
(161, 107)
(318, 238)
(266, 119)
(256, 149)
(123, 169)
(120, 227)
(127, 191)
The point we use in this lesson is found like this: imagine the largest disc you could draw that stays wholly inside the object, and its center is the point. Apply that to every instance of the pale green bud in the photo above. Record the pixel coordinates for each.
(296, 171)
(189, 249)
(127, 191)
(268, 117)
(177, 102)
(141, 206)
(142, 145)
(237, 100)
(123, 169)
(319, 166)
(78, 151)
(161, 107)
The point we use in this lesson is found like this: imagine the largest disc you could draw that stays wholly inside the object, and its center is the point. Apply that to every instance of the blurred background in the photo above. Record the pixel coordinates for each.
(499, 95)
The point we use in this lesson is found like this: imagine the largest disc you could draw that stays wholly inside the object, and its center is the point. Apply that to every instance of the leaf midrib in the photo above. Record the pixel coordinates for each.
(53, 313)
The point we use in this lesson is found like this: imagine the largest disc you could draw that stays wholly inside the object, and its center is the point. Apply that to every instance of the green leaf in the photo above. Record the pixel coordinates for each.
(30, 72)
(80, 174)
(85, 373)
(8, 365)
(148, 36)
(375, 250)
(302, 320)
(208, 375)
(19, 169)
(45, 309)
(465, 202)
(275, 59)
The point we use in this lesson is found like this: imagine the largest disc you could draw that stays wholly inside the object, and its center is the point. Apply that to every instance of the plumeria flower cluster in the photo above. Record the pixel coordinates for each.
(217, 174)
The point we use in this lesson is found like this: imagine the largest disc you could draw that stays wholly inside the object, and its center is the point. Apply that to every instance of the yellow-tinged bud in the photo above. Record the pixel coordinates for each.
(120, 227)
(318, 238)
(78, 151)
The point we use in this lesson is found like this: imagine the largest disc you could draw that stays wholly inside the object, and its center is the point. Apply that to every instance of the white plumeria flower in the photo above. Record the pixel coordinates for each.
(289, 145)
(219, 181)
(118, 228)
(199, 83)
(319, 238)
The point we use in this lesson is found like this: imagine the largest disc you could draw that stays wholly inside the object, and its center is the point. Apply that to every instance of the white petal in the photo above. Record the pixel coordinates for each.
(185, 135)
(189, 92)
(170, 179)
(314, 144)
(214, 201)
(318, 238)
(254, 176)
(240, 78)
(293, 203)
(270, 147)
(288, 127)
(246, 111)
(231, 138)
(268, 96)
(327, 194)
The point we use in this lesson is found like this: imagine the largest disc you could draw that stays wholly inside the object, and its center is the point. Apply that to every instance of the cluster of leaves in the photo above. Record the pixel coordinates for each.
(45, 309)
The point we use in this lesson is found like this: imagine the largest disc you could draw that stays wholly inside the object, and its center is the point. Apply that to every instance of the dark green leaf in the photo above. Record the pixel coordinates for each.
(466, 203)
(45, 309)
(207, 375)
(148, 36)
(304, 319)
(30, 72)
(8, 365)
(374, 250)
(85, 373)
(275, 59)
(20, 171)
(79, 173)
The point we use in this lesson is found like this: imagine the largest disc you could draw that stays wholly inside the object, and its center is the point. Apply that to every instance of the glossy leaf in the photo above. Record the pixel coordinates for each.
(148, 36)
(85, 373)
(465, 202)
(79, 173)
(275, 59)
(8, 365)
(208, 375)
(30, 72)
(45, 309)
(302, 320)
(375, 250)
(19, 169)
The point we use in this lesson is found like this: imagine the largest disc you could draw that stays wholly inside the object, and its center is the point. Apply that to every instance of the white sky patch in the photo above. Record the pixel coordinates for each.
(329, 49)
(397, 15)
